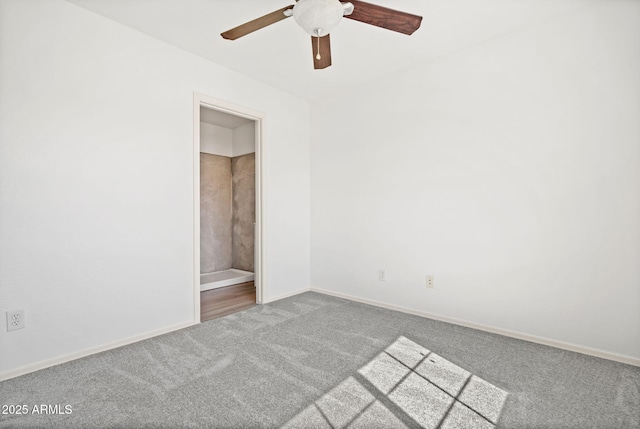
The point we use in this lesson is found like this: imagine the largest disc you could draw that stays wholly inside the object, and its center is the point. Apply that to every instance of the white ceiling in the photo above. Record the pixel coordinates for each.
(222, 119)
(280, 55)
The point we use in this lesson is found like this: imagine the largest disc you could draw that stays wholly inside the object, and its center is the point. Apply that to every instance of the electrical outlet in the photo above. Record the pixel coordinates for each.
(15, 320)
(382, 276)
(430, 284)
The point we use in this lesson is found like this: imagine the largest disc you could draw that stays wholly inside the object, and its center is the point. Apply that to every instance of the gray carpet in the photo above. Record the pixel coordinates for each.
(317, 361)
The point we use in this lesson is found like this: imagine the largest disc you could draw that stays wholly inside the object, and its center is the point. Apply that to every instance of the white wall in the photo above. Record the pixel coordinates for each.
(244, 139)
(216, 140)
(509, 171)
(96, 180)
(230, 142)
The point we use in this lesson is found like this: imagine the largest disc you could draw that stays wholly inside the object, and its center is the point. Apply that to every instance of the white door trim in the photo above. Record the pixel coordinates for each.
(260, 254)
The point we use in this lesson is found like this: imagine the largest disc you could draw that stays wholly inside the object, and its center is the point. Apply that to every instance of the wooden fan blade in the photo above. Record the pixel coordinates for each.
(379, 16)
(256, 24)
(325, 52)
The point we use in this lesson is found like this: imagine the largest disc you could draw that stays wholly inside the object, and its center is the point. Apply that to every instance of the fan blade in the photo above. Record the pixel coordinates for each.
(379, 16)
(256, 24)
(322, 46)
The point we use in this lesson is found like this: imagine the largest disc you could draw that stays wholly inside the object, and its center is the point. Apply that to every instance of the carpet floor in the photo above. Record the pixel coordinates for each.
(313, 360)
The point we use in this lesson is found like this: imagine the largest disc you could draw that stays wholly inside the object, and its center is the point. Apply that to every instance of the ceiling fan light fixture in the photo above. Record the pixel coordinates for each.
(318, 17)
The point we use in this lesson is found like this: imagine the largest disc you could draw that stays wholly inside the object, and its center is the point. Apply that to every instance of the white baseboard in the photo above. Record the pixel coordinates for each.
(104, 347)
(286, 295)
(508, 333)
(89, 351)
(487, 328)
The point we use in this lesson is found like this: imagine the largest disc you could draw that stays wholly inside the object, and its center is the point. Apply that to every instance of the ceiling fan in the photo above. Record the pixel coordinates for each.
(319, 17)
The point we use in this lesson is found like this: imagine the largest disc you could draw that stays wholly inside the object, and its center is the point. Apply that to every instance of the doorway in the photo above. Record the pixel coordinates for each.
(228, 208)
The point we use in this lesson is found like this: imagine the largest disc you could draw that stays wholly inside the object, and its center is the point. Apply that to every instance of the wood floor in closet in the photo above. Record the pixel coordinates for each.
(220, 302)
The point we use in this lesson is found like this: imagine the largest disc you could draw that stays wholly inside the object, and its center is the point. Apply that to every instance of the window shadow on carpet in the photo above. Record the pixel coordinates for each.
(406, 386)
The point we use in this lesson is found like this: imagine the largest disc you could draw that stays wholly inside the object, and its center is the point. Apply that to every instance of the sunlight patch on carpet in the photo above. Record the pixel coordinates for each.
(405, 385)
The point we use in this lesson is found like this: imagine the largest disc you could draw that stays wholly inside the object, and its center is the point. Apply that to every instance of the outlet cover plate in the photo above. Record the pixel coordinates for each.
(15, 320)
(430, 284)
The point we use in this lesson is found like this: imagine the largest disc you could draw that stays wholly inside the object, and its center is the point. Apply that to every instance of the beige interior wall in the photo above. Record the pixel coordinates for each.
(215, 213)
(227, 212)
(243, 212)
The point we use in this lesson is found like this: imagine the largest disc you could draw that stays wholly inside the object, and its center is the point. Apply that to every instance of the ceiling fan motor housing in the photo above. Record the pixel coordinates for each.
(318, 17)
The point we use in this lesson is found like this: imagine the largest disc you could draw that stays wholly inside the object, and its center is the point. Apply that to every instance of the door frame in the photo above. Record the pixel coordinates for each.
(259, 243)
